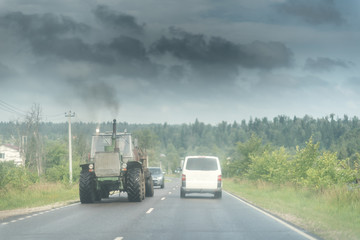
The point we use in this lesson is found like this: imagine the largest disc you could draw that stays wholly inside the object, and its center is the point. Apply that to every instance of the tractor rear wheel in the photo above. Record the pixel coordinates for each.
(134, 181)
(87, 187)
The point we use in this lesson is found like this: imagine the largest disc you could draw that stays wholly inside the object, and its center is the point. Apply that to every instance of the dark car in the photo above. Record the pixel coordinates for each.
(157, 176)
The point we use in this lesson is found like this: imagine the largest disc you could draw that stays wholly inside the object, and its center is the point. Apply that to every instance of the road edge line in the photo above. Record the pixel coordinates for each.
(295, 229)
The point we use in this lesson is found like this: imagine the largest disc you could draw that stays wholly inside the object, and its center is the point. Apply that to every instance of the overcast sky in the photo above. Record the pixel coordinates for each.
(157, 61)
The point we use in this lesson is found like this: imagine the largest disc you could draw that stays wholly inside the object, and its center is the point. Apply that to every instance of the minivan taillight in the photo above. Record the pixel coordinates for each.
(219, 181)
(183, 180)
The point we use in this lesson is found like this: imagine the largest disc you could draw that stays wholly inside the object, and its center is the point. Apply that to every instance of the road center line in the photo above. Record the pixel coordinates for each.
(150, 210)
(275, 218)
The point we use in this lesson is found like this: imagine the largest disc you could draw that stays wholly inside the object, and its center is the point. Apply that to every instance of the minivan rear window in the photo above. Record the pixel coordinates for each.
(203, 164)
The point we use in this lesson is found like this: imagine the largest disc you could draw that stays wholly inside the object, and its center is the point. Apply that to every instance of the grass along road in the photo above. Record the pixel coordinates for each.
(38, 194)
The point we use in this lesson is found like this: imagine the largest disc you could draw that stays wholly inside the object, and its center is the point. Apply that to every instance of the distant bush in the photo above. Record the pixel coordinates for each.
(327, 171)
(306, 167)
(270, 166)
(60, 173)
(17, 177)
(57, 173)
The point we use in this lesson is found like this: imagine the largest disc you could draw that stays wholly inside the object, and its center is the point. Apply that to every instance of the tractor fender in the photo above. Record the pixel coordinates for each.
(134, 164)
(86, 166)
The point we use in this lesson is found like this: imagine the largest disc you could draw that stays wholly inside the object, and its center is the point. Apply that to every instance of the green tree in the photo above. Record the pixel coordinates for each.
(240, 159)
(304, 160)
(327, 171)
(34, 147)
(172, 158)
(270, 166)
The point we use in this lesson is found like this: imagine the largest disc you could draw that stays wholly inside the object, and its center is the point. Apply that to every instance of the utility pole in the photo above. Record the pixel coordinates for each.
(70, 115)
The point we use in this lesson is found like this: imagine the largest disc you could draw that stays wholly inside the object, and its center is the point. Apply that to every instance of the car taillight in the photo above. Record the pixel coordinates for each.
(183, 177)
(219, 181)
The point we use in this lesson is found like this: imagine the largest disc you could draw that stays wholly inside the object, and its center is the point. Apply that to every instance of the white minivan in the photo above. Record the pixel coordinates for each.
(201, 174)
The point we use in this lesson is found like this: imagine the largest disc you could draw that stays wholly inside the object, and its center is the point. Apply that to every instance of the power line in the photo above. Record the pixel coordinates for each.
(6, 107)
(11, 109)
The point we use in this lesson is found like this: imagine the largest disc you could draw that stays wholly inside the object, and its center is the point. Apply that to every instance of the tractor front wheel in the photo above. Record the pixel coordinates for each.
(87, 187)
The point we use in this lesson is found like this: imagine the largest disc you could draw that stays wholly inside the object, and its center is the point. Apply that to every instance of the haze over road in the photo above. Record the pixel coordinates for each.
(164, 216)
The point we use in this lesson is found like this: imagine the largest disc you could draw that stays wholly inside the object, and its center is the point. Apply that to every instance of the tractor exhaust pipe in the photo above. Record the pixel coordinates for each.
(114, 142)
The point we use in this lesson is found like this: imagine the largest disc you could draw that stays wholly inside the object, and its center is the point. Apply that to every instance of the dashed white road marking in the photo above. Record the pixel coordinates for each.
(162, 199)
(170, 192)
(119, 238)
(150, 210)
(39, 213)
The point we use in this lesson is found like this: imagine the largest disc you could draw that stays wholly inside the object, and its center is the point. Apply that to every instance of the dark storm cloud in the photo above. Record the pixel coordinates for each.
(197, 57)
(33, 26)
(216, 56)
(322, 64)
(68, 48)
(63, 38)
(128, 56)
(265, 55)
(313, 11)
(119, 21)
(128, 48)
(49, 34)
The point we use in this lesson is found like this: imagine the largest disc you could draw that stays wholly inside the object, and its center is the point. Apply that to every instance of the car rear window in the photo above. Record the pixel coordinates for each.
(203, 164)
(155, 170)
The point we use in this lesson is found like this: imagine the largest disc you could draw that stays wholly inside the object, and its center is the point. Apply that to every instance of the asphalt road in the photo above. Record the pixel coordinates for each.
(164, 216)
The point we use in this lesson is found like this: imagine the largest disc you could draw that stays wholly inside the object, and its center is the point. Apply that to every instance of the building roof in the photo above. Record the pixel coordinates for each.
(10, 146)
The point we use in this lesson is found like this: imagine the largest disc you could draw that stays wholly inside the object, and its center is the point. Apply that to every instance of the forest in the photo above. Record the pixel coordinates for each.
(317, 152)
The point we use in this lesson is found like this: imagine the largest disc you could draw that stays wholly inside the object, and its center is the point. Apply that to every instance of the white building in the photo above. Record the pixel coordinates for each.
(10, 153)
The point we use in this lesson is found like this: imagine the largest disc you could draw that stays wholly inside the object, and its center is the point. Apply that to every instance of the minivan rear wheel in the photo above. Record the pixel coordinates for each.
(218, 194)
(182, 193)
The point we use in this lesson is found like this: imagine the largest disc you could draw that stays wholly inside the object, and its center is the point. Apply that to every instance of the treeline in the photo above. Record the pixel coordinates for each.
(340, 135)
(168, 144)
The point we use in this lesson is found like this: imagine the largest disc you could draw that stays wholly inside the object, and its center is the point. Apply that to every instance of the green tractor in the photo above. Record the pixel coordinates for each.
(116, 163)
